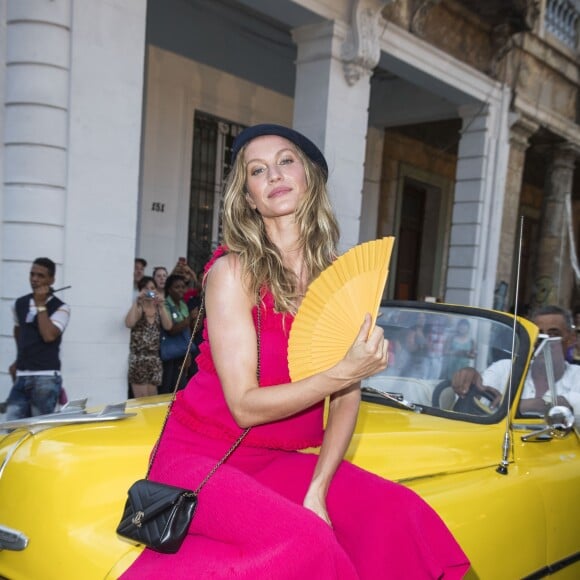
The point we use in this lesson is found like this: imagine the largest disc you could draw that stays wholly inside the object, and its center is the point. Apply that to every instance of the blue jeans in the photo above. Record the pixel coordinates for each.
(34, 395)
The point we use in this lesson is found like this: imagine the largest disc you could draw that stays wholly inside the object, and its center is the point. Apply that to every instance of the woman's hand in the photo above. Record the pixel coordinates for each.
(367, 356)
(315, 502)
(142, 296)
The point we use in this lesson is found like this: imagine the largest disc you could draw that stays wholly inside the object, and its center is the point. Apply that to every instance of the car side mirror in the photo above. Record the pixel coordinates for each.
(559, 420)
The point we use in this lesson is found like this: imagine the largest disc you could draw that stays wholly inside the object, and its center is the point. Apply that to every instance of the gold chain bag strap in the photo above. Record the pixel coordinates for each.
(158, 515)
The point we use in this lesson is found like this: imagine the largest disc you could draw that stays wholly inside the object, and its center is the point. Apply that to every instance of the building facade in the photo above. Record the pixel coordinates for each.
(443, 123)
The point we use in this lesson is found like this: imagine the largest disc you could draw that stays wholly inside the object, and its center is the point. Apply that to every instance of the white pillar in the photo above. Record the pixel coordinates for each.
(331, 103)
(478, 203)
(72, 95)
(35, 138)
(106, 100)
(3, 10)
(35, 98)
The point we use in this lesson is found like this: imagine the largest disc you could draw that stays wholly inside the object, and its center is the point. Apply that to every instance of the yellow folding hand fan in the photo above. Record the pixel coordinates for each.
(333, 309)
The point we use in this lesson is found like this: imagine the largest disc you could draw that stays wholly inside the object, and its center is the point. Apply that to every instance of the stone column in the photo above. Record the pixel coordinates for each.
(478, 202)
(35, 138)
(520, 133)
(35, 103)
(331, 102)
(72, 96)
(553, 281)
(372, 185)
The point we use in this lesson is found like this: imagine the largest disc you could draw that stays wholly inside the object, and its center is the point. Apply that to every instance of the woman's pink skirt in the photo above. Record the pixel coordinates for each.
(250, 523)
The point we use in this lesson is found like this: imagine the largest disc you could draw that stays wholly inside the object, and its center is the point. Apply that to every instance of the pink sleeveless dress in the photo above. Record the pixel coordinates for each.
(250, 523)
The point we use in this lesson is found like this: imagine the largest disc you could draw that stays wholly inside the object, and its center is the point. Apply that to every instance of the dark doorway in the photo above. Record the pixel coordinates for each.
(410, 241)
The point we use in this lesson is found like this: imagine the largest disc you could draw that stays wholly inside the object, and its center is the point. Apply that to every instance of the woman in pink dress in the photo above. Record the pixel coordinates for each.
(272, 511)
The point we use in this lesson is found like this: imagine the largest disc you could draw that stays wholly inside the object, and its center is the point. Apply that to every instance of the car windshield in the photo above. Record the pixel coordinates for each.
(428, 347)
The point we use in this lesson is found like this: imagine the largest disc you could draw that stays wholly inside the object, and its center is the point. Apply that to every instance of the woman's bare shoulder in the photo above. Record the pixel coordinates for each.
(224, 280)
(226, 268)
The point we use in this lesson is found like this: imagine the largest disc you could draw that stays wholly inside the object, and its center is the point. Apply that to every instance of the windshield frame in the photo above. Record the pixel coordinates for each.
(521, 358)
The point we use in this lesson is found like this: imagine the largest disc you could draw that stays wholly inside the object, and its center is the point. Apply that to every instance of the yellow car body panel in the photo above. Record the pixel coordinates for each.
(64, 487)
(82, 497)
(456, 472)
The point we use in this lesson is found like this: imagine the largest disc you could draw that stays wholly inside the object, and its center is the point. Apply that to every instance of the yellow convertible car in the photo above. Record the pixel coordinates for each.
(505, 480)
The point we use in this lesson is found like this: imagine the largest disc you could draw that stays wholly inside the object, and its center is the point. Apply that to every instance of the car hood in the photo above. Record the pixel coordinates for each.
(402, 445)
(398, 444)
(86, 469)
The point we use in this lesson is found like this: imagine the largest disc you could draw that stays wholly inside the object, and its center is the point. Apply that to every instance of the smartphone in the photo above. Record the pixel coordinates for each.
(182, 260)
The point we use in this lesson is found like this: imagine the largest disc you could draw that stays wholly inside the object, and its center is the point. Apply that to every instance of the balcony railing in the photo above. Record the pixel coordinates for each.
(561, 21)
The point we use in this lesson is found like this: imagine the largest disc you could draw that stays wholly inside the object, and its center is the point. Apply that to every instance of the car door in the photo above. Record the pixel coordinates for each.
(551, 458)
(554, 466)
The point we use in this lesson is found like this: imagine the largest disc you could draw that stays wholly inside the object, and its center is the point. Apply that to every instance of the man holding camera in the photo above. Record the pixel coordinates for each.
(40, 318)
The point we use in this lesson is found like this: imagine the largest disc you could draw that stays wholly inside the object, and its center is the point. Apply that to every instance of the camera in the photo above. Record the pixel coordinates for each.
(150, 294)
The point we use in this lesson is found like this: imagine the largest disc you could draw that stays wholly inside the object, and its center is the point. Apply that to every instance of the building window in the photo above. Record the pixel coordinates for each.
(561, 20)
(212, 143)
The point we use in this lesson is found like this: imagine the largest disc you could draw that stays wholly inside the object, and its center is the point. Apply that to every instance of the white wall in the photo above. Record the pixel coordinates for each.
(106, 95)
(102, 142)
(6, 342)
(36, 52)
(176, 87)
(3, 6)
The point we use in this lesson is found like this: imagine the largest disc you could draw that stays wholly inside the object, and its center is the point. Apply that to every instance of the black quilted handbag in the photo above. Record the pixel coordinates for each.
(157, 515)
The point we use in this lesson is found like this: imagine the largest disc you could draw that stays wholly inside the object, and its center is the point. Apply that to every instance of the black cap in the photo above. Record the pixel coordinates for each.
(308, 147)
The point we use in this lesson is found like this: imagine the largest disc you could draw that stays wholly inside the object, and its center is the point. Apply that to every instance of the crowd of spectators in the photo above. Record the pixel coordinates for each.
(164, 309)
(165, 305)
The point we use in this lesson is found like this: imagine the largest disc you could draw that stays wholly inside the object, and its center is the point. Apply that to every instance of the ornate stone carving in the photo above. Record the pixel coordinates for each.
(563, 158)
(361, 50)
(532, 11)
(521, 130)
(417, 24)
(505, 32)
(502, 42)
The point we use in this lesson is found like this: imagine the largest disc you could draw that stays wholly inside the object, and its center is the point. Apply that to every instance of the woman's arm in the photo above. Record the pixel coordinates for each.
(234, 351)
(164, 315)
(342, 416)
(134, 314)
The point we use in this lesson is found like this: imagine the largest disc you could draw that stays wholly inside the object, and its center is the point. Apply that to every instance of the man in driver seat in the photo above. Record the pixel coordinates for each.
(555, 322)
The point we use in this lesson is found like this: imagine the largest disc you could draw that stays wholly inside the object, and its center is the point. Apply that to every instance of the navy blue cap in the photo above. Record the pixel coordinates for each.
(308, 147)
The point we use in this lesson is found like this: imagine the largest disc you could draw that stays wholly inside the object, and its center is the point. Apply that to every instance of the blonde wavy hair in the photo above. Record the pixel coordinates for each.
(261, 261)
